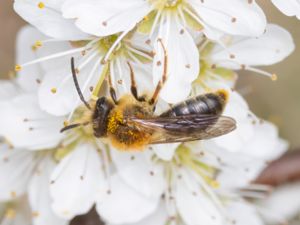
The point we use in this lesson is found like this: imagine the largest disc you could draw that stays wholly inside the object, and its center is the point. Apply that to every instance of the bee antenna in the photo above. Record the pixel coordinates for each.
(77, 85)
(72, 126)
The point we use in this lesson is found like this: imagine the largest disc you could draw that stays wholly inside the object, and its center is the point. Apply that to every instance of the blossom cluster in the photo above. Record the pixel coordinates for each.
(49, 177)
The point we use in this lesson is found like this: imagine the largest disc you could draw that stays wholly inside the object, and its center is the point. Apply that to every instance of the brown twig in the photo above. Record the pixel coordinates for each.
(284, 170)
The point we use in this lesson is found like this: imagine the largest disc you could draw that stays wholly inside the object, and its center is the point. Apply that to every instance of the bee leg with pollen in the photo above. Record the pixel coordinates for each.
(133, 87)
(163, 80)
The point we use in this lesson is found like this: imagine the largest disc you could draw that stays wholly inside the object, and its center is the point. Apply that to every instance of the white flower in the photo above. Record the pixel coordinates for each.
(244, 53)
(104, 18)
(55, 78)
(47, 16)
(22, 172)
(76, 182)
(187, 181)
(281, 205)
(288, 7)
(169, 21)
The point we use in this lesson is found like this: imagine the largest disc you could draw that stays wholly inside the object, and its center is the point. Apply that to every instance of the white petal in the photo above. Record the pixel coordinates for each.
(194, 206)
(272, 47)
(159, 217)
(243, 213)
(288, 7)
(233, 17)
(75, 182)
(47, 17)
(123, 204)
(29, 77)
(165, 151)
(65, 98)
(103, 18)
(266, 135)
(140, 172)
(183, 61)
(8, 89)
(236, 108)
(29, 127)
(16, 167)
(39, 195)
(282, 203)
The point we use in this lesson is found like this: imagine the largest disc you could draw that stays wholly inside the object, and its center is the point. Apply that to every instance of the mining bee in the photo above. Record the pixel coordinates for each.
(130, 124)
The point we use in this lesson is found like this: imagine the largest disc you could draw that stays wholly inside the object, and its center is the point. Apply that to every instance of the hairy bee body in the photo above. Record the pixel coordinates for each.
(124, 134)
(115, 122)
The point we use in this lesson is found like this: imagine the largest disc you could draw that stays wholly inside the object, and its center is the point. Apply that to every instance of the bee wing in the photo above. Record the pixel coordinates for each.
(186, 128)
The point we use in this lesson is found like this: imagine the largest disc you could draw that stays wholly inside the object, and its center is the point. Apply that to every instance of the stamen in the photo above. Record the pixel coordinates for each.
(53, 56)
(138, 52)
(158, 14)
(18, 68)
(181, 15)
(41, 5)
(262, 72)
(114, 45)
(38, 44)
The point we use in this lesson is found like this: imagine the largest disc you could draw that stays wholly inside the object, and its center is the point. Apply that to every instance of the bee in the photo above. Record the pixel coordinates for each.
(130, 124)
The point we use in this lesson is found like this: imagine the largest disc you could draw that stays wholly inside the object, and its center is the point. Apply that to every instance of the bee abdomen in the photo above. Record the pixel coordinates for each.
(211, 103)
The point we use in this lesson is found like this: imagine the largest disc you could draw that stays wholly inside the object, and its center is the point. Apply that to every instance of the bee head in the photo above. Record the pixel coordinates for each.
(100, 116)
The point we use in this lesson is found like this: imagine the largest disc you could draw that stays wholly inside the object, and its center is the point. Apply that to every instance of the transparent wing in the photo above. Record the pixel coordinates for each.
(185, 128)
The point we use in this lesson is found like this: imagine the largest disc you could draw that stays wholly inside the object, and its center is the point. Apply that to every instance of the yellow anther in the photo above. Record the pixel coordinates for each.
(10, 213)
(274, 77)
(53, 90)
(13, 194)
(214, 184)
(35, 214)
(18, 68)
(41, 5)
(38, 44)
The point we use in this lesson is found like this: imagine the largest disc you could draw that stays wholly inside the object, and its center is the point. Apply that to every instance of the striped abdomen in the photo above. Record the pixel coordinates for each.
(210, 103)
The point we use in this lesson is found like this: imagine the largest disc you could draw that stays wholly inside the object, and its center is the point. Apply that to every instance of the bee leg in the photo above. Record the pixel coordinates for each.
(133, 87)
(112, 91)
(161, 83)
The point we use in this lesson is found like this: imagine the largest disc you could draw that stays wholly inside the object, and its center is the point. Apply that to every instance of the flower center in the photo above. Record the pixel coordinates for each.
(184, 156)
(165, 4)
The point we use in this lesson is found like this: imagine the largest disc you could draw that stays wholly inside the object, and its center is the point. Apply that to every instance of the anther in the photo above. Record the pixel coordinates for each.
(18, 68)
(274, 77)
(35, 214)
(41, 5)
(53, 90)
(38, 44)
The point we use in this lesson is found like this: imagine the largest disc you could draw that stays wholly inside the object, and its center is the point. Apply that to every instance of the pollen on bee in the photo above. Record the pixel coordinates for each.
(41, 5)
(18, 68)
(274, 77)
(223, 94)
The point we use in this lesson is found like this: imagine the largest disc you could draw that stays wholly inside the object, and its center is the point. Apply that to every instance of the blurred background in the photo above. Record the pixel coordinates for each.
(276, 101)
